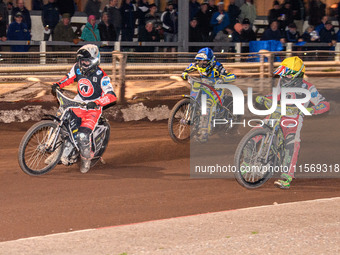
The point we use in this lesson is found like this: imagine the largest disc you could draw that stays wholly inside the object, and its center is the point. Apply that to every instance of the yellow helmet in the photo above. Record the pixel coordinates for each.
(291, 66)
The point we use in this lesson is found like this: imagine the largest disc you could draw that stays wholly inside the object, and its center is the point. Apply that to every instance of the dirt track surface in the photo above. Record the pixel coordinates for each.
(146, 178)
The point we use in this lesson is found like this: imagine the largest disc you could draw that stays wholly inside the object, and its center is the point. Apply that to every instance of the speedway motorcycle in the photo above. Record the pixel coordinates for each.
(53, 140)
(186, 120)
(260, 153)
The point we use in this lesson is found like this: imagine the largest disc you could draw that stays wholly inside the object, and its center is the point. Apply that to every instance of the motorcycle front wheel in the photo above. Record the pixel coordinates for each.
(180, 124)
(34, 156)
(251, 170)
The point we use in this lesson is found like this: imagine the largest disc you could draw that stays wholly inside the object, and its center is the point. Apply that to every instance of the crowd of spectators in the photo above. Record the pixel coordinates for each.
(208, 22)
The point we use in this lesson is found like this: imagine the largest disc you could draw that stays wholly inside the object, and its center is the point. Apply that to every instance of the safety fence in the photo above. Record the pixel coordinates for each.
(156, 75)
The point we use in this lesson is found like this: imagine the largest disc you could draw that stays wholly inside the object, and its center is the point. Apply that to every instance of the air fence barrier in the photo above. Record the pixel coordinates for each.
(123, 64)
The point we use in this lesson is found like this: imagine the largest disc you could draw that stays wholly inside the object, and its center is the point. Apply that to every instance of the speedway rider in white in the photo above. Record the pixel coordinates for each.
(94, 88)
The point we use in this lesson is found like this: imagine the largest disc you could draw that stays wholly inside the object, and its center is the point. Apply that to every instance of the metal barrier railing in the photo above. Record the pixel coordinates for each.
(122, 66)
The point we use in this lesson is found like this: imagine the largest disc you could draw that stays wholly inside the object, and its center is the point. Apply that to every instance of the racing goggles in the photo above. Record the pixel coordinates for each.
(202, 63)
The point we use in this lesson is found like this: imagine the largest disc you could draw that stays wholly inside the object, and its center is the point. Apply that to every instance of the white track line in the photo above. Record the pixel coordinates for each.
(179, 217)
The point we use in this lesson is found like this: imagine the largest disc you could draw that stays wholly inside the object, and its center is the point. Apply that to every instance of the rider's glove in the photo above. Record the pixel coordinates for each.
(91, 105)
(184, 75)
(54, 88)
(260, 99)
(311, 110)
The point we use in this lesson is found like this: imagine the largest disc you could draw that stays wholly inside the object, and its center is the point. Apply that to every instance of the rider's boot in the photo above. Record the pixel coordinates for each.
(85, 165)
(285, 182)
(86, 154)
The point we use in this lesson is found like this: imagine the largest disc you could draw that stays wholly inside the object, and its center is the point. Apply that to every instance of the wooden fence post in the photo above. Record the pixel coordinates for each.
(121, 83)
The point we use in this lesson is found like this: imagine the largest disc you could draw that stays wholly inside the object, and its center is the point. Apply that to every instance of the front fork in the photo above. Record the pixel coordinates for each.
(52, 138)
(266, 146)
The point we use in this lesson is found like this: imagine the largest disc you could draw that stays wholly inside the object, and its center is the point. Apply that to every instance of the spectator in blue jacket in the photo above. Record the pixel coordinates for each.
(50, 18)
(18, 31)
(25, 13)
(273, 33)
(292, 35)
(322, 24)
(128, 11)
(220, 19)
(327, 34)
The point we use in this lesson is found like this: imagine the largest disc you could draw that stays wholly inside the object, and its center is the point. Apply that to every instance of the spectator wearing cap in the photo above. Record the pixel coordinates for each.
(93, 8)
(203, 20)
(170, 24)
(233, 12)
(25, 13)
(50, 18)
(220, 19)
(292, 35)
(115, 16)
(225, 35)
(18, 31)
(275, 13)
(128, 11)
(106, 29)
(90, 32)
(286, 17)
(248, 11)
(273, 33)
(148, 34)
(327, 34)
(247, 33)
(64, 32)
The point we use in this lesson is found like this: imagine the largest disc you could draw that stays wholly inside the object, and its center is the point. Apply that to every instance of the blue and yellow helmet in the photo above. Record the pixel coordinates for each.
(205, 61)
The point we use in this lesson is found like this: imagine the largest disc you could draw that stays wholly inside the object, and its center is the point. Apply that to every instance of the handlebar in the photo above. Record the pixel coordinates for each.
(64, 101)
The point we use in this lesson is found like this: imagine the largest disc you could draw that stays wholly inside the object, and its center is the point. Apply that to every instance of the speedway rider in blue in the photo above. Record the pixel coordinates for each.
(207, 66)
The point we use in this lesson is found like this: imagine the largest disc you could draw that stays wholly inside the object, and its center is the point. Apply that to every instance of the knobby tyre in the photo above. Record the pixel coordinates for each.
(33, 157)
(179, 127)
(252, 143)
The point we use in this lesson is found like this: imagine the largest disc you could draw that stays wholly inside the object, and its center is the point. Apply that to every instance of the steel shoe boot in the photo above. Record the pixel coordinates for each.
(285, 183)
(85, 165)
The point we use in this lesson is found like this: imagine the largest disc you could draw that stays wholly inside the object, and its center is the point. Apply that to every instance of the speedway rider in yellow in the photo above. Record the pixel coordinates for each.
(207, 66)
(291, 72)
